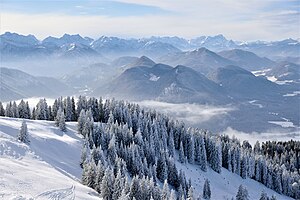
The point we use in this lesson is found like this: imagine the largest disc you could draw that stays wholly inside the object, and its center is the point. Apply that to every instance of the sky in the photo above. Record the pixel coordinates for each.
(243, 20)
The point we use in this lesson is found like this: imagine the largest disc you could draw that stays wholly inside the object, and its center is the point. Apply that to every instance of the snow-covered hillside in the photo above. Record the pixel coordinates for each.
(49, 168)
(225, 185)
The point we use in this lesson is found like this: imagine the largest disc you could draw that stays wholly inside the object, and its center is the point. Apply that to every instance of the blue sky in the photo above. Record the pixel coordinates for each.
(236, 19)
(81, 7)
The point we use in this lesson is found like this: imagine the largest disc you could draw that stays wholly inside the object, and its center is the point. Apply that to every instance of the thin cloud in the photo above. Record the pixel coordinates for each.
(239, 20)
(193, 114)
(274, 134)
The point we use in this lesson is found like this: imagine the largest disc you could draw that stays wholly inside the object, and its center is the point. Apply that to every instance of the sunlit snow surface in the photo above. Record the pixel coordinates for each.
(46, 169)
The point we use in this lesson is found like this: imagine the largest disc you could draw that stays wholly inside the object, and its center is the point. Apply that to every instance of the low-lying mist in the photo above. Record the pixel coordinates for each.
(221, 120)
(272, 134)
(197, 115)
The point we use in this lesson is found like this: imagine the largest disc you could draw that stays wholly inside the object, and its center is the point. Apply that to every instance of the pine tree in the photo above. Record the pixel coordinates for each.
(162, 168)
(84, 153)
(107, 185)
(74, 115)
(171, 146)
(190, 195)
(273, 197)
(203, 158)
(166, 191)
(124, 195)
(242, 193)
(68, 109)
(206, 190)
(2, 111)
(60, 120)
(100, 171)
(41, 111)
(277, 180)
(181, 154)
(81, 121)
(118, 186)
(8, 110)
(33, 115)
(22, 110)
(244, 167)
(172, 173)
(14, 109)
(89, 174)
(216, 156)
(264, 196)
(191, 149)
(257, 147)
(173, 195)
(135, 189)
(23, 134)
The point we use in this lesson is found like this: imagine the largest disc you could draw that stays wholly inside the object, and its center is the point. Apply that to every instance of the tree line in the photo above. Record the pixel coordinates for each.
(123, 140)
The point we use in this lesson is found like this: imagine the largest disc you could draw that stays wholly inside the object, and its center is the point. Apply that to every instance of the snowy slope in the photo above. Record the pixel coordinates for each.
(224, 185)
(46, 169)
(49, 167)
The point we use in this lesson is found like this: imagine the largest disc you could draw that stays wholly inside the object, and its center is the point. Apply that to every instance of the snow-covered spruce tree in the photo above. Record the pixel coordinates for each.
(81, 104)
(89, 174)
(256, 148)
(206, 190)
(165, 194)
(81, 121)
(244, 167)
(296, 189)
(277, 182)
(273, 197)
(119, 185)
(203, 158)
(41, 111)
(191, 149)
(162, 169)
(216, 156)
(84, 153)
(124, 195)
(135, 189)
(2, 110)
(172, 173)
(74, 114)
(242, 193)
(107, 185)
(286, 182)
(23, 134)
(181, 154)
(22, 110)
(190, 194)
(68, 108)
(171, 145)
(173, 195)
(14, 109)
(8, 112)
(264, 196)
(60, 120)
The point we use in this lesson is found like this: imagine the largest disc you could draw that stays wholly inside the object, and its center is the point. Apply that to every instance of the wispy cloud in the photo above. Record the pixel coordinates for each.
(274, 135)
(193, 114)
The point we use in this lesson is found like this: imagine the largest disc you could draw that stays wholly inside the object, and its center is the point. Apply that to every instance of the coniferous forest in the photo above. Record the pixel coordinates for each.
(131, 153)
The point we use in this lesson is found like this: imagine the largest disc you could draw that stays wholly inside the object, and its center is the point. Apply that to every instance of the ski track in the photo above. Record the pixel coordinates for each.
(66, 194)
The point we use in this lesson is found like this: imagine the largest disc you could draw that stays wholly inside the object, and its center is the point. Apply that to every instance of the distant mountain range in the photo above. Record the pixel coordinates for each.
(163, 82)
(137, 79)
(145, 79)
(13, 45)
(16, 84)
